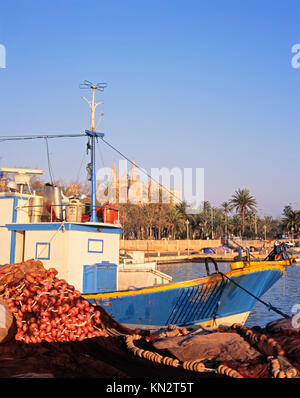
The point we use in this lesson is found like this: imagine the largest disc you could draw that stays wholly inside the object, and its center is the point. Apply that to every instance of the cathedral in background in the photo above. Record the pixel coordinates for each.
(130, 189)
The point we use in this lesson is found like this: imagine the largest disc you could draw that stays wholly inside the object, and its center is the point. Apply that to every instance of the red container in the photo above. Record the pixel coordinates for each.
(107, 214)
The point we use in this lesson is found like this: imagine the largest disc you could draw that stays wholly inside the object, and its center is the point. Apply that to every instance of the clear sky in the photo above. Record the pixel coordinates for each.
(195, 84)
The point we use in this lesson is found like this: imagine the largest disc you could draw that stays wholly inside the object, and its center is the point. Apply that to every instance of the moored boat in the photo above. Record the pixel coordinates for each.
(214, 300)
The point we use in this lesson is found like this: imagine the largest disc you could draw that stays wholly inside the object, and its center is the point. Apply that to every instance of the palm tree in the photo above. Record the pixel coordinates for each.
(205, 219)
(226, 209)
(251, 220)
(175, 221)
(242, 201)
(291, 219)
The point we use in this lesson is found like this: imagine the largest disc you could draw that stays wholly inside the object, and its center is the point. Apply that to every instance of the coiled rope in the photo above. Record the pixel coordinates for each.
(278, 372)
(279, 366)
(267, 344)
(195, 365)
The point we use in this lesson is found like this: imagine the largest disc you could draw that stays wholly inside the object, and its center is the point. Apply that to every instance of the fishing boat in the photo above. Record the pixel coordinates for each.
(83, 244)
(211, 301)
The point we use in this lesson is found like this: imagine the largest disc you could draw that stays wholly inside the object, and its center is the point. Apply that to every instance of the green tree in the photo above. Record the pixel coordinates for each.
(242, 202)
(226, 210)
(182, 217)
(175, 222)
(291, 219)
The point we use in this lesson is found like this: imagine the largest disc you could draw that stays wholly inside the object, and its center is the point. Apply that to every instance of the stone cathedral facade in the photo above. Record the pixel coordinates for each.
(129, 188)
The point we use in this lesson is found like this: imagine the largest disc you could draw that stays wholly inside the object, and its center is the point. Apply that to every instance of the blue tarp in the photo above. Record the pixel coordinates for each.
(209, 250)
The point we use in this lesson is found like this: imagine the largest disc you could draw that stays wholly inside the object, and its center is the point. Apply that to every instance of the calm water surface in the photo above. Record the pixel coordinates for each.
(283, 295)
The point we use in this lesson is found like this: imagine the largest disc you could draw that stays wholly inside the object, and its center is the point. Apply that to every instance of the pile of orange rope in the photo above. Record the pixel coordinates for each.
(45, 307)
(280, 353)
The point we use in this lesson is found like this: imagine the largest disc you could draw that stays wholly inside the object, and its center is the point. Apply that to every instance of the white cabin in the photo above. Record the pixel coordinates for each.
(66, 246)
(56, 230)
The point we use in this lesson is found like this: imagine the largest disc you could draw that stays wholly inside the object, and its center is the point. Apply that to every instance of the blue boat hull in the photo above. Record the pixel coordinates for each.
(207, 300)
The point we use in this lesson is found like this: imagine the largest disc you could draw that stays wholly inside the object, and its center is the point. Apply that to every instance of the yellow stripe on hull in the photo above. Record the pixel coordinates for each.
(211, 324)
(236, 267)
(227, 320)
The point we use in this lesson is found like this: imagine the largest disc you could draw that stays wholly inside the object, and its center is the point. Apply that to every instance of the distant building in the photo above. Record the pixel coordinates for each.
(130, 189)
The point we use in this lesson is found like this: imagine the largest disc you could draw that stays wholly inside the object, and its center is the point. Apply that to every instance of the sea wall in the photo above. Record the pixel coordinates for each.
(165, 245)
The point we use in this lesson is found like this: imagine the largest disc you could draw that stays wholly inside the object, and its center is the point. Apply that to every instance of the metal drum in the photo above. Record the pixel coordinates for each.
(53, 197)
(35, 209)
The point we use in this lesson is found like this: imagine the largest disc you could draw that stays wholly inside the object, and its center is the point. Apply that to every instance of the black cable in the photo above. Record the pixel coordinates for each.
(49, 162)
(257, 298)
(101, 155)
(13, 138)
(33, 137)
(143, 171)
(79, 170)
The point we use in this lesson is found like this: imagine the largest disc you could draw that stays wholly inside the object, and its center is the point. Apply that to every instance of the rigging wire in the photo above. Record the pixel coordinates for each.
(47, 136)
(33, 137)
(79, 170)
(100, 153)
(143, 171)
(49, 161)
(269, 305)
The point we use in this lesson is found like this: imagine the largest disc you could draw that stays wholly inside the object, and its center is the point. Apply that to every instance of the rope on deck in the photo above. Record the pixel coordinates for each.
(279, 366)
(195, 365)
(277, 372)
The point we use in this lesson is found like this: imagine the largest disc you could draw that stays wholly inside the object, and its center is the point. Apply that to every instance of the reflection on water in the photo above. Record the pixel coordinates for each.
(283, 295)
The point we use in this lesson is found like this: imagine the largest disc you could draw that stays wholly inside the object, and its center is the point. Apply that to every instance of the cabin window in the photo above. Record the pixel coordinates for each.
(42, 251)
(95, 246)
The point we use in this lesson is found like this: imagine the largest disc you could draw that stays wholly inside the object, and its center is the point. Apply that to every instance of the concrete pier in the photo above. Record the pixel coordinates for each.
(199, 257)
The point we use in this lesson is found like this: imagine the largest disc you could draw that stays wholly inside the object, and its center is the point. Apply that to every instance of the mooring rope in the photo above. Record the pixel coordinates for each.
(279, 367)
(269, 305)
(196, 365)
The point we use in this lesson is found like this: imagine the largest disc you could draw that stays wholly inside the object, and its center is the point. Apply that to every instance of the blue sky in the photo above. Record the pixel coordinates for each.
(195, 84)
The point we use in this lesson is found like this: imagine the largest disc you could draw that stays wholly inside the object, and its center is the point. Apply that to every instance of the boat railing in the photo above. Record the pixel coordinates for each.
(70, 212)
(211, 260)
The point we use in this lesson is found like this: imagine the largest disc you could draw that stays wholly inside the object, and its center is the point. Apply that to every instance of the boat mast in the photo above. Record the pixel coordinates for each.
(93, 135)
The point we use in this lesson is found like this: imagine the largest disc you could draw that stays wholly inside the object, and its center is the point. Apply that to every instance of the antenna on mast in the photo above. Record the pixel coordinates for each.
(98, 86)
(92, 134)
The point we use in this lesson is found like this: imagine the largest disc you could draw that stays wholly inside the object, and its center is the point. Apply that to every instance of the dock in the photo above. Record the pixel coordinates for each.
(169, 258)
(178, 251)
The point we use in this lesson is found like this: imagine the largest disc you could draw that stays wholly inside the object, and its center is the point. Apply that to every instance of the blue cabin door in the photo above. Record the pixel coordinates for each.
(100, 278)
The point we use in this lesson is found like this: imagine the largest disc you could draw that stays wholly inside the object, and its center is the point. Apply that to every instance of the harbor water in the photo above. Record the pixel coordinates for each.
(284, 294)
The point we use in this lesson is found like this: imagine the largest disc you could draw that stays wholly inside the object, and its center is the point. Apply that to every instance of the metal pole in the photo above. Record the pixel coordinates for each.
(93, 109)
(187, 236)
(212, 223)
(93, 161)
(93, 106)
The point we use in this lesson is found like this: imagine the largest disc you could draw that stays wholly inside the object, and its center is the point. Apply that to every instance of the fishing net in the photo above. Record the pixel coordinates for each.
(211, 347)
(48, 329)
